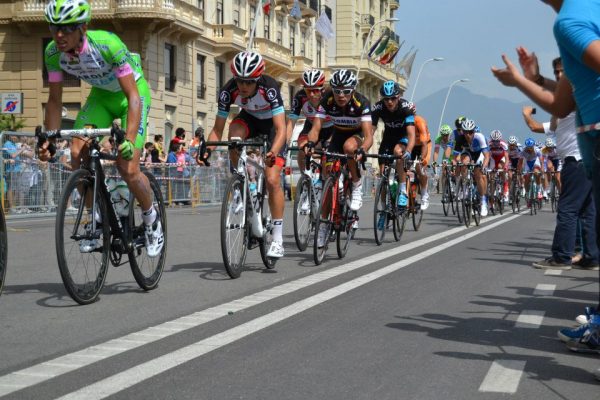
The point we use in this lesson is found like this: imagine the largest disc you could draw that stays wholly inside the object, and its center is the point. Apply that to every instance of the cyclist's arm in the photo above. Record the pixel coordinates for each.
(425, 153)
(134, 106)
(410, 134)
(447, 153)
(367, 130)
(533, 125)
(217, 131)
(313, 135)
(54, 106)
(290, 129)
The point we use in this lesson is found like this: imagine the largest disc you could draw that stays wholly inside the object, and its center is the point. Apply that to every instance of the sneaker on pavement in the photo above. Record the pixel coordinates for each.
(356, 203)
(586, 264)
(484, 209)
(573, 334)
(589, 343)
(275, 250)
(89, 245)
(551, 263)
(155, 238)
(425, 202)
(322, 236)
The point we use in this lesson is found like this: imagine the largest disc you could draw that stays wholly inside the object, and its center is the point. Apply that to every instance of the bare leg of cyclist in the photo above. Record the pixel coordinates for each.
(401, 173)
(423, 181)
(350, 146)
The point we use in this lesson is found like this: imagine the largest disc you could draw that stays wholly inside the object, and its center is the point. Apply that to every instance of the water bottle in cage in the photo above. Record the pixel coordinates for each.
(119, 196)
(257, 229)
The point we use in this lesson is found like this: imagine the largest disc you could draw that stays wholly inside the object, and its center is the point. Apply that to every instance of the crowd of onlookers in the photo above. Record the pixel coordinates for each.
(31, 185)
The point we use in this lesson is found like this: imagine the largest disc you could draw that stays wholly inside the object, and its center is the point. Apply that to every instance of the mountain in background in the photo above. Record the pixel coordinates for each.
(489, 113)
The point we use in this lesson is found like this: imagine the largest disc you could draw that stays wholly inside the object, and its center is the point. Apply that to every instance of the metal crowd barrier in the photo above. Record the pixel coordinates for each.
(30, 186)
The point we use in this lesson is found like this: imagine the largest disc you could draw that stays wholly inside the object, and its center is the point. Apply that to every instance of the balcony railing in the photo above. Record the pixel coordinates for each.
(367, 19)
(394, 4)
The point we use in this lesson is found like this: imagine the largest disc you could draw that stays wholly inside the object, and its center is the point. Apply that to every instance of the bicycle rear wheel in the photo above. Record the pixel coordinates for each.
(476, 205)
(3, 248)
(234, 232)
(458, 200)
(83, 271)
(146, 270)
(345, 231)
(465, 193)
(265, 242)
(446, 197)
(303, 218)
(381, 210)
(326, 222)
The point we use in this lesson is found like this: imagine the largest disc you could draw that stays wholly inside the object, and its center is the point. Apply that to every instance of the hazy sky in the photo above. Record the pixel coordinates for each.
(471, 35)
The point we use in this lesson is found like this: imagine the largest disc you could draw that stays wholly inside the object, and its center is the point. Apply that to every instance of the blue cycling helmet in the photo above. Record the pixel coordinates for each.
(389, 89)
(529, 142)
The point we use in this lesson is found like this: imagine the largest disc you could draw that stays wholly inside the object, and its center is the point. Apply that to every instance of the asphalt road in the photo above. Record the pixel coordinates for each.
(448, 312)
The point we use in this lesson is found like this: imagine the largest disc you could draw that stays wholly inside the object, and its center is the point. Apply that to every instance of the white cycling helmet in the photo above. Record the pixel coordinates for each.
(550, 142)
(66, 12)
(513, 140)
(496, 135)
(313, 78)
(247, 65)
(468, 125)
(343, 78)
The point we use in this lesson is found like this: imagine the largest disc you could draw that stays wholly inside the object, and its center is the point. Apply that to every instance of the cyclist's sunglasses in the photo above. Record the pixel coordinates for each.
(242, 81)
(66, 29)
(390, 98)
(469, 132)
(342, 91)
(313, 90)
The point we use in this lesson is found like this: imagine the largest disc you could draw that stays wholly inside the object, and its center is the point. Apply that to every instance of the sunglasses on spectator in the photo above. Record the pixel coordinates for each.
(342, 91)
(66, 29)
(243, 81)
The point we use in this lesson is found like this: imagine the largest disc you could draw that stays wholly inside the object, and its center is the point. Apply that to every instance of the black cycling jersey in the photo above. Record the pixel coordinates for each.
(346, 119)
(395, 121)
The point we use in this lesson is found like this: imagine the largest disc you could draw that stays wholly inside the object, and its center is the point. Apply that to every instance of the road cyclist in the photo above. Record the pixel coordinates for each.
(531, 165)
(352, 135)
(552, 165)
(421, 151)
(261, 116)
(497, 178)
(119, 90)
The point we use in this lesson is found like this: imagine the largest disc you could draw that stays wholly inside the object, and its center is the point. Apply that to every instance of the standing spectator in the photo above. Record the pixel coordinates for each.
(577, 32)
(12, 169)
(160, 155)
(181, 158)
(147, 153)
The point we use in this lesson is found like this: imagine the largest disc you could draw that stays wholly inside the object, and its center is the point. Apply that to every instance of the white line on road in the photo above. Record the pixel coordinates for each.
(141, 372)
(544, 290)
(530, 319)
(554, 272)
(503, 376)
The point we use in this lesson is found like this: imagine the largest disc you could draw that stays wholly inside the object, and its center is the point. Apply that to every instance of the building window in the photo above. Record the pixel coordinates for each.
(303, 44)
(252, 15)
(293, 39)
(267, 23)
(169, 123)
(220, 75)
(319, 45)
(279, 30)
(169, 67)
(68, 79)
(200, 4)
(236, 12)
(219, 12)
(328, 13)
(200, 84)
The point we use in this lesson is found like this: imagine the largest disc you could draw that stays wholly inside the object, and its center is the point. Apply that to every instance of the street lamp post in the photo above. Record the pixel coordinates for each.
(446, 101)
(369, 39)
(419, 74)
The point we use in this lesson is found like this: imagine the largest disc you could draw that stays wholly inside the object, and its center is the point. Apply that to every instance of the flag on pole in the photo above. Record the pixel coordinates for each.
(409, 64)
(375, 45)
(402, 63)
(295, 12)
(266, 6)
(391, 49)
(323, 24)
(384, 42)
(393, 55)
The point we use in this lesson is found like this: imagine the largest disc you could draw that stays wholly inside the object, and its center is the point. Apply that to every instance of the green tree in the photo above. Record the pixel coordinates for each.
(8, 122)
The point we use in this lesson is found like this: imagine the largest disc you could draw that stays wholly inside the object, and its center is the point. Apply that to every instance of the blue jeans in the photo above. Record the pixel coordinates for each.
(575, 203)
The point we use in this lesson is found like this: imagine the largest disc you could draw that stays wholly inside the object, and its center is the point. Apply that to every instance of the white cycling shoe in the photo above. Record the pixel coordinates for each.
(155, 238)
(357, 201)
(275, 250)
(322, 236)
(425, 202)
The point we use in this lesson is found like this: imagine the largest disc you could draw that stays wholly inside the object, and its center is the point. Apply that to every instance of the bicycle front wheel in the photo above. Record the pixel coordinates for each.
(82, 254)
(380, 211)
(324, 225)
(234, 232)
(465, 194)
(146, 270)
(446, 197)
(303, 218)
(345, 231)
(417, 214)
(3, 248)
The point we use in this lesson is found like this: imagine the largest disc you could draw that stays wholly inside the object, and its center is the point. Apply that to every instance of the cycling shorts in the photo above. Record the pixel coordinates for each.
(514, 163)
(324, 135)
(556, 163)
(416, 152)
(102, 107)
(256, 128)
(389, 143)
(496, 161)
(476, 157)
(336, 145)
(530, 166)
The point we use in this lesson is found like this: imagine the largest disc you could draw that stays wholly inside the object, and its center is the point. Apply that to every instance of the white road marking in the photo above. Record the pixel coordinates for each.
(554, 272)
(544, 290)
(503, 376)
(149, 369)
(530, 319)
